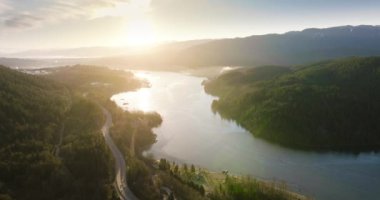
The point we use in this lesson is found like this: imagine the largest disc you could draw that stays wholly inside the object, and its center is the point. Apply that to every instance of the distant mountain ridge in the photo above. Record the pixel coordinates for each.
(100, 51)
(295, 47)
(291, 48)
(81, 52)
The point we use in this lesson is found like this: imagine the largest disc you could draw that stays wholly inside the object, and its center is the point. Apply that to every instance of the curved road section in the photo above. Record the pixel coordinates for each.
(121, 184)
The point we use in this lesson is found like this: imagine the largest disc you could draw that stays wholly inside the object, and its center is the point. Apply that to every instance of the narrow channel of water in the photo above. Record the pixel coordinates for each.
(192, 133)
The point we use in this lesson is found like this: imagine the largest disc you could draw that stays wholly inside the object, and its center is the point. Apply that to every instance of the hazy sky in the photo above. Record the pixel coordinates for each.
(34, 24)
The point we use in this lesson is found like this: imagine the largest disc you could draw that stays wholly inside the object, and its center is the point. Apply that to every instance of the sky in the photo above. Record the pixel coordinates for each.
(52, 24)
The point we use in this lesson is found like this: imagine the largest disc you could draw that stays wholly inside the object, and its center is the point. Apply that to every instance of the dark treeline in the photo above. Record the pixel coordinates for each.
(331, 105)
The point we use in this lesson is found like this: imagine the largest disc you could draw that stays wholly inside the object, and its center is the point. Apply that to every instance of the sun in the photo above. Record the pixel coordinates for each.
(140, 33)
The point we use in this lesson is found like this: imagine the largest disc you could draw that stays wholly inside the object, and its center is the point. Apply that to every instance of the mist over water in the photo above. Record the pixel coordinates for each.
(192, 133)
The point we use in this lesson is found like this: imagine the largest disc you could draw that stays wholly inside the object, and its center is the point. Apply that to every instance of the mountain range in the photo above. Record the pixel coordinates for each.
(296, 47)
(291, 48)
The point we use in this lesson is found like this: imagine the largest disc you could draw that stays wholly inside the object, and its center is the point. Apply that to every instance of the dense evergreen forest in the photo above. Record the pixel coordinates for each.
(50, 142)
(332, 105)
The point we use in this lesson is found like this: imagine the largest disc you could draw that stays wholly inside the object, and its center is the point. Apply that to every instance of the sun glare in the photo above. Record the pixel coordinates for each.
(138, 30)
(140, 33)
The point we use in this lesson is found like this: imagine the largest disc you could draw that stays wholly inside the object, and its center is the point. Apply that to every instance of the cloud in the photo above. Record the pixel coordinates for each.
(22, 21)
(32, 13)
(4, 6)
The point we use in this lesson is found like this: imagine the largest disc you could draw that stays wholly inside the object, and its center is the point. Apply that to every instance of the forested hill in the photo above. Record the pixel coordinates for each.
(327, 105)
(30, 107)
(50, 142)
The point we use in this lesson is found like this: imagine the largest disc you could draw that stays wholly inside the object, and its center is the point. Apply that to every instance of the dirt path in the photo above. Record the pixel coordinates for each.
(57, 146)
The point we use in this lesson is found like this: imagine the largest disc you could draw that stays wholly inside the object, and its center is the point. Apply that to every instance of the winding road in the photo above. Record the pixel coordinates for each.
(121, 184)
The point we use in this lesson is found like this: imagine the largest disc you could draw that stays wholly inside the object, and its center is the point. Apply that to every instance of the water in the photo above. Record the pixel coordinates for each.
(192, 133)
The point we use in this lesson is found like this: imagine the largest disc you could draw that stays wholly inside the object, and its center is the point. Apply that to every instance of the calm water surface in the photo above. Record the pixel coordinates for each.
(192, 133)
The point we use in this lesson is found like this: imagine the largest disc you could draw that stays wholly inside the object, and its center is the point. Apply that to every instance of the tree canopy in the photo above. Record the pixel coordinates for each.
(327, 105)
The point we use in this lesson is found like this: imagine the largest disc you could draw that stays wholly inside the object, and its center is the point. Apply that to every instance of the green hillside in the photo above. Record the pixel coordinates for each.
(327, 105)
(36, 114)
(28, 104)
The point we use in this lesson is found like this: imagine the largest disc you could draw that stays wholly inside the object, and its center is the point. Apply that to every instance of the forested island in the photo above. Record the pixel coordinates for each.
(331, 105)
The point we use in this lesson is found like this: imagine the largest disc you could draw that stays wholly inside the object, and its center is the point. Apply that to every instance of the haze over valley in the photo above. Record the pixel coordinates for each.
(189, 100)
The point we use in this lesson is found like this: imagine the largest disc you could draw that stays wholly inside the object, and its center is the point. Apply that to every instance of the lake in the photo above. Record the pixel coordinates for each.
(192, 133)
